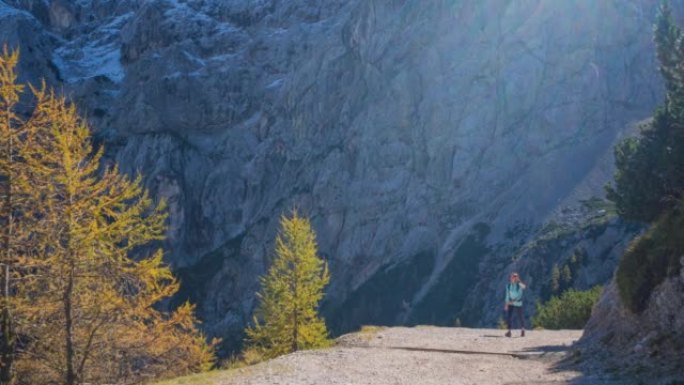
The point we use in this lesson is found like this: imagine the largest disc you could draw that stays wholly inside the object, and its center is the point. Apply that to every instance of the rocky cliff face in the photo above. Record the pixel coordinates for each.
(429, 141)
(648, 345)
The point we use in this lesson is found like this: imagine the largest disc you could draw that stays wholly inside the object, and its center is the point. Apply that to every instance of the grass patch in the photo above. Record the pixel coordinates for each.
(224, 376)
(602, 206)
(368, 332)
(371, 329)
(501, 324)
(248, 357)
(651, 259)
(208, 378)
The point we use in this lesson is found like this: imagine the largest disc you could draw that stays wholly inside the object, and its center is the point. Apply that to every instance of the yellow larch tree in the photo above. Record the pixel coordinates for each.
(87, 282)
(287, 318)
(16, 210)
(93, 318)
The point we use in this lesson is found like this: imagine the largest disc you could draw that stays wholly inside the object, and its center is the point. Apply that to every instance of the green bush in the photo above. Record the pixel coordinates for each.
(501, 324)
(650, 260)
(569, 311)
(649, 167)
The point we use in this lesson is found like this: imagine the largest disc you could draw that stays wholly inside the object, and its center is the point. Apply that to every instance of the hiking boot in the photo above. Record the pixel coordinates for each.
(522, 333)
(508, 333)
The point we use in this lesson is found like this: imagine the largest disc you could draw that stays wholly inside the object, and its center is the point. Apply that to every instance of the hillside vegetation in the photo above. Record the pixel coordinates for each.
(570, 310)
(637, 327)
(650, 179)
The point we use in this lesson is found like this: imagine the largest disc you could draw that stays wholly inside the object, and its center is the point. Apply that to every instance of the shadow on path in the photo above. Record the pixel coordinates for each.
(521, 354)
(545, 349)
(569, 362)
(448, 351)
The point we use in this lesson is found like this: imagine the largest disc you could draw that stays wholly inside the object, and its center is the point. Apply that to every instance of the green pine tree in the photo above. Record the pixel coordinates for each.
(287, 319)
(667, 36)
(650, 168)
(566, 276)
(555, 279)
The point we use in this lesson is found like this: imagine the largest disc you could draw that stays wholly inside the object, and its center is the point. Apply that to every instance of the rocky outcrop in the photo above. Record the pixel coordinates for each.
(18, 26)
(429, 141)
(584, 250)
(649, 345)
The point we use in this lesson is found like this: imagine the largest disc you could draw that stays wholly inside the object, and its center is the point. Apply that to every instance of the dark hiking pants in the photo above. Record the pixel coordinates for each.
(518, 310)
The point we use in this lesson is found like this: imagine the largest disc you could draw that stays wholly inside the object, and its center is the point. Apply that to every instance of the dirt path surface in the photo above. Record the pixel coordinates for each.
(423, 356)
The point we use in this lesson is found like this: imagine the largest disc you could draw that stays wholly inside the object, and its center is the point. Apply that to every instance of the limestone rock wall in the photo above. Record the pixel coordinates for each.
(649, 345)
(427, 140)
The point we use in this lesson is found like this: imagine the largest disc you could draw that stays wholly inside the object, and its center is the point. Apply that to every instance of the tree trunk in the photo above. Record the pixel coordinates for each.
(70, 378)
(295, 346)
(295, 320)
(8, 341)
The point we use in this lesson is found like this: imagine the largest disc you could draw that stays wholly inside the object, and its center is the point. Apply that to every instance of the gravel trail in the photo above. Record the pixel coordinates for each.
(423, 356)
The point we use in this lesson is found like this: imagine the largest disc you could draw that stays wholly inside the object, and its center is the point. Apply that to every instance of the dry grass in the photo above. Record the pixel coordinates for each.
(371, 329)
(368, 332)
(208, 378)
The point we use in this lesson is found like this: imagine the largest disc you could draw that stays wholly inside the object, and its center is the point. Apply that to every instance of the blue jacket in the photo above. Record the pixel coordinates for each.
(514, 293)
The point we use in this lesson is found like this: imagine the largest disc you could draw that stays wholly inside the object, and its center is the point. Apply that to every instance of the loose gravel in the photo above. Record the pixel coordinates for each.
(424, 356)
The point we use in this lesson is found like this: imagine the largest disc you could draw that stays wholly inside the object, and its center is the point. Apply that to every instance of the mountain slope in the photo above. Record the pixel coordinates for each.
(430, 142)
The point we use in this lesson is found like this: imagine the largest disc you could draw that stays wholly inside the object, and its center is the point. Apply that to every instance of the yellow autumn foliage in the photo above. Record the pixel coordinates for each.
(287, 318)
(86, 279)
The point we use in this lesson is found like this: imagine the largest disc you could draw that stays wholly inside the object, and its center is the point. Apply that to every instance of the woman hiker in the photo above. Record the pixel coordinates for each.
(514, 303)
